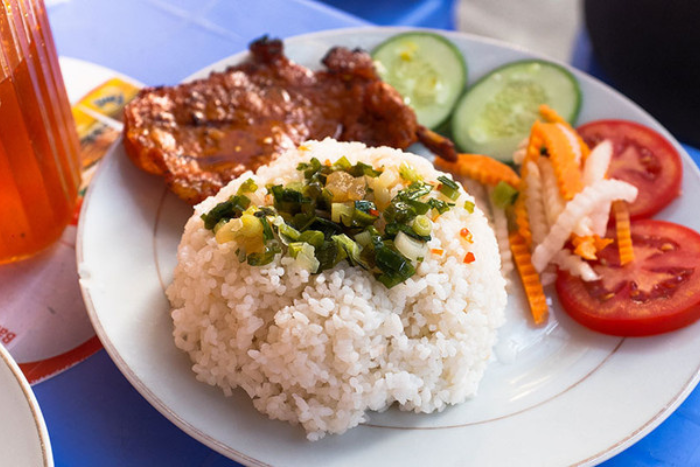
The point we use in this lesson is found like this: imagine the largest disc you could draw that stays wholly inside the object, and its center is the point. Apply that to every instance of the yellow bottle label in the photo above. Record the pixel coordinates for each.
(98, 118)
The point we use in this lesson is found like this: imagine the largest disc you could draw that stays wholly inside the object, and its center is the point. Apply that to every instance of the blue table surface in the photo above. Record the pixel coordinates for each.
(94, 416)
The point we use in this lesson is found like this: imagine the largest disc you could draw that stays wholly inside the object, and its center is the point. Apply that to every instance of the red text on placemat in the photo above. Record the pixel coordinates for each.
(6, 336)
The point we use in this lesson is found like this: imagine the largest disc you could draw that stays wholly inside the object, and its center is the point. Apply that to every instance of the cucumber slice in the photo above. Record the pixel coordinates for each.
(427, 70)
(499, 109)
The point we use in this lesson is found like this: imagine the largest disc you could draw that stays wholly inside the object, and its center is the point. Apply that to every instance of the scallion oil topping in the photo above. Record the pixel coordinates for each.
(331, 216)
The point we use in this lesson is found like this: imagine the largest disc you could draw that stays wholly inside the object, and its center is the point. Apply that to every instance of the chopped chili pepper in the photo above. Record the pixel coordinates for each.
(467, 235)
(469, 258)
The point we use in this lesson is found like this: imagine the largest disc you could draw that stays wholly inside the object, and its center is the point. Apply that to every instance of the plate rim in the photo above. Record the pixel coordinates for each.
(34, 408)
(238, 456)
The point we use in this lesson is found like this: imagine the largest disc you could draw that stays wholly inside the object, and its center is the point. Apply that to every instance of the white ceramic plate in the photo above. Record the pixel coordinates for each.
(558, 396)
(23, 437)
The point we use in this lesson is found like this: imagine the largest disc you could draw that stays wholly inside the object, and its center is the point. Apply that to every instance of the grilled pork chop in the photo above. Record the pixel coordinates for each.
(202, 134)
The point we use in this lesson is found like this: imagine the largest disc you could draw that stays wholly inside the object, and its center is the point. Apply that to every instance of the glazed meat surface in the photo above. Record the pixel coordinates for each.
(200, 135)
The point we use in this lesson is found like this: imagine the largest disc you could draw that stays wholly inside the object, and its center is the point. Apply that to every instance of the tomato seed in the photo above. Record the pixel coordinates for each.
(607, 296)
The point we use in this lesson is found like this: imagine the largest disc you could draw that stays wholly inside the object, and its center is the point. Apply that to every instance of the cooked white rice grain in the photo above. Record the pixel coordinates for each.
(321, 350)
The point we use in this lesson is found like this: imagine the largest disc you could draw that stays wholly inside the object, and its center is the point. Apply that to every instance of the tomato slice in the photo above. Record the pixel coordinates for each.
(657, 292)
(642, 157)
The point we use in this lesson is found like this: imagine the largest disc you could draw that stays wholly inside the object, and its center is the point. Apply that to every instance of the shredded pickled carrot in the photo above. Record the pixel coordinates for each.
(522, 220)
(563, 159)
(534, 202)
(483, 169)
(601, 242)
(550, 115)
(588, 246)
(534, 146)
(532, 154)
(623, 232)
(603, 191)
(529, 277)
(437, 251)
(584, 246)
(469, 258)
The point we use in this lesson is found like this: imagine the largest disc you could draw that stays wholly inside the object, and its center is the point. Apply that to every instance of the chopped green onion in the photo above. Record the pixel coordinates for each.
(406, 204)
(469, 206)
(410, 247)
(373, 231)
(364, 238)
(296, 186)
(326, 197)
(390, 280)
(342, 212)
(319, 233)
(248, 186)
(448, 187)
(361, 169)
(422, 226)
(439, 205)
(288, 232)
(391, 261)
(343, 163)
(394, 266)
(391, 230)
(312, 237)
(415, 190)
(310, 168)
(326, 226)
(399, 211)
(419, 206)
(264, 211)
(229, 209)
(352, 249)
(366, 207)
(312, 190)
(306, 259)
(266, 230)
(261, 259)
(295, 248)
(328, 255)
(504, 195)
(364, 214)
(408, 173)
(301, 221)
(287, 200)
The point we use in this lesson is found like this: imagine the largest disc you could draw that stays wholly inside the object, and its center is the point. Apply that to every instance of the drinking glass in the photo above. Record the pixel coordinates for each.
(39, 150)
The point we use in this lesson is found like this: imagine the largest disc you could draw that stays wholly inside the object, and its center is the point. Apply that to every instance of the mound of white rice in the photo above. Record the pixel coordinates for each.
(321, 350)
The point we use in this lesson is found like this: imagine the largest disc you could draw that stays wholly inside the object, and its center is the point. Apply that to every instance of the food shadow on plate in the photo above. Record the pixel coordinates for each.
(144, 189)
